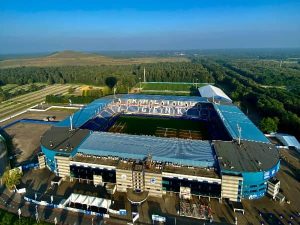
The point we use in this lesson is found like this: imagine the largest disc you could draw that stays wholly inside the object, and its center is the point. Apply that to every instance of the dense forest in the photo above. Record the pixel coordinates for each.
(267, 89)
(280, 106)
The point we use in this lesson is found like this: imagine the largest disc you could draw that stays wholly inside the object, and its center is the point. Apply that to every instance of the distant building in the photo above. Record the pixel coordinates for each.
(288, 140)
(212, 92)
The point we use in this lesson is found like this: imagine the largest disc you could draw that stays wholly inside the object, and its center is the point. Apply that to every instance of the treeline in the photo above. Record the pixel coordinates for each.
(127, 75)
(268, 72)
(267, 102)
(7, 94)
(64, 99)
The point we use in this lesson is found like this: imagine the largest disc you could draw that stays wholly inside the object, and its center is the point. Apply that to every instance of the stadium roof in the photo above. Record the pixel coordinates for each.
(288, 140)
(247, 157)
(179, 151)
(62, 139)
(86, 113)
(209, 91)
(233, 117)
(165, 97)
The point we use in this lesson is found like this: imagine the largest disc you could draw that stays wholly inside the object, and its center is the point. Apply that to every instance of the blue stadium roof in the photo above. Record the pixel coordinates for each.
(232, 116)
(179, 151)
(165, 97)
(86, 113)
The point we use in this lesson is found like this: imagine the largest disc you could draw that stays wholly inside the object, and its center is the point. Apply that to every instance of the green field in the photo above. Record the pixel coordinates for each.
(22, 102)
(13, 88)
(170, 88)
(160, 126)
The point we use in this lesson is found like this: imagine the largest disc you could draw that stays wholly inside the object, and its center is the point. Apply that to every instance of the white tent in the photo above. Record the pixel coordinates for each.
(90, 200)
(73, 197)
(209, 91)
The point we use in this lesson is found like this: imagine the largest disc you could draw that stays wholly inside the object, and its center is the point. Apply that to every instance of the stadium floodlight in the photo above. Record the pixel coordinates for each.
(115, 89)
(19, 213)
(240, 133)
(140, 84)
(71, 122)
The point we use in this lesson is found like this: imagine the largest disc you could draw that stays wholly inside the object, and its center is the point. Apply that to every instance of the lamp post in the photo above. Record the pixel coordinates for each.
(140, 84)
(36, 214)
(19, 214)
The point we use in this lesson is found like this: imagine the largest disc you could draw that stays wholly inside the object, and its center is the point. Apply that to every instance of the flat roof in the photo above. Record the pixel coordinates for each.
(180, 151)
(63, 140)
(247, 157)
(232, 117)
(192, 171)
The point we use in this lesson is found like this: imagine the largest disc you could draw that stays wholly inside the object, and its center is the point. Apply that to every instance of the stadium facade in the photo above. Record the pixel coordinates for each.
(234, 164)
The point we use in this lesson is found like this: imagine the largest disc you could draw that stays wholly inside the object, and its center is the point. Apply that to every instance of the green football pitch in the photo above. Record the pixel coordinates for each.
(167, 86)
(170, 88)
(164, 127)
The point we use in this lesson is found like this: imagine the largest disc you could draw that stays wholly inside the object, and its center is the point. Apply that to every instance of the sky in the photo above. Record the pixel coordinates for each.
(34, 26)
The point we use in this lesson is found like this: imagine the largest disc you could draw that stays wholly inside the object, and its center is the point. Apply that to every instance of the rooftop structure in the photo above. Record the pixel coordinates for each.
(246, 157)
(62, 139)
(86, 113)
(209, 91)
(233, 118)
(91, 159)
(288, 140)
(180, 151)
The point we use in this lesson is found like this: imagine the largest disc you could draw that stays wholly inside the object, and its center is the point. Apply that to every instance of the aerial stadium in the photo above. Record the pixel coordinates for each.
(155, 144)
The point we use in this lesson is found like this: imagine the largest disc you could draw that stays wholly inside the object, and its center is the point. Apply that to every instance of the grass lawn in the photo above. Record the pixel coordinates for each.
(149, 125)
(170, 88)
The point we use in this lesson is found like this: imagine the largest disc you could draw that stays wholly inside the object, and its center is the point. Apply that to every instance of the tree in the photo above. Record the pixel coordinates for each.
(62, 81)
(111, 82)
(12, 178)
(269, 124)
(50, 80)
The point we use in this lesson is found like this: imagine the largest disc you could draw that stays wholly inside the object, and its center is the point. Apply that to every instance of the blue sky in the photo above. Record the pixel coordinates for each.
(31, 26)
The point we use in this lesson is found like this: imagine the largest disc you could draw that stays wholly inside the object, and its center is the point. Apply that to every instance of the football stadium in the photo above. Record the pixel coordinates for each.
(156, 144)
